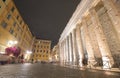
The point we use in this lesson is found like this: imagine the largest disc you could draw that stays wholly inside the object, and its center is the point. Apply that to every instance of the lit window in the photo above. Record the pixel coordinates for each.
(4, 24)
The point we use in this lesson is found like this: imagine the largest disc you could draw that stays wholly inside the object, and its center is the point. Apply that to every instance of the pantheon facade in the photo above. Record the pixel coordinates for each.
(92, 35)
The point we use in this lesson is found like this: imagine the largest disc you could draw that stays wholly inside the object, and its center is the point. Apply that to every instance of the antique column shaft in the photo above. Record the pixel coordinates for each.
(70, 49)
(89, 48)
(79, 46)
(74, 47)
(102, 42)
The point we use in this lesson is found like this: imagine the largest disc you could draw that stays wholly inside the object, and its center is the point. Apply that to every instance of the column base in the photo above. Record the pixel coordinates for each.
(91, 63)
(81, 63)
(107, 62)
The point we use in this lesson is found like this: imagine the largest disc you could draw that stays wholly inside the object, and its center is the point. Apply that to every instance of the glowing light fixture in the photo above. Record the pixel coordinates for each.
(11, 43)
(28, 52)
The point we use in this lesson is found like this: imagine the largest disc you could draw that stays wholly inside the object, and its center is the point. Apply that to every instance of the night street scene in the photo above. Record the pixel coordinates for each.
(59, 38)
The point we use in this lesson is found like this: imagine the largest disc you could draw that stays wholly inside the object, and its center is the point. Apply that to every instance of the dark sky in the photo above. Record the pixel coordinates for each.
(46, 18)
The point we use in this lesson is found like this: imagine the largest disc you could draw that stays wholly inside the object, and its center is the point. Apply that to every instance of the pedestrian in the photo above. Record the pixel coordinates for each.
(32, 60)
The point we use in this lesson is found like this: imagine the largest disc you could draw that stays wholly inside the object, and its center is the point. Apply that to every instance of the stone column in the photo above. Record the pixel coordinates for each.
(66, 45)
(89, 48)
(64, 51)
(67, 42)
(113, 14)
(79, 46)
(61, 54)
(70, 50)
(74, 47)
(102, 42)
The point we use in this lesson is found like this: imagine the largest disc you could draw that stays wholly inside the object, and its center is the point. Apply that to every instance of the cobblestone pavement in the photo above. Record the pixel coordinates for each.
(51, 71)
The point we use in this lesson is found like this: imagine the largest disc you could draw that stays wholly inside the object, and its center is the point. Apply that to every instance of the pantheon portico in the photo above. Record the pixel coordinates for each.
(92, 35)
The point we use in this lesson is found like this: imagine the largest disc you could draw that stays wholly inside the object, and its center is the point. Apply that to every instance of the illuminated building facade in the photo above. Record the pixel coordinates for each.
(55, 54)
(13, 28)
(41, 50)
(92, 34)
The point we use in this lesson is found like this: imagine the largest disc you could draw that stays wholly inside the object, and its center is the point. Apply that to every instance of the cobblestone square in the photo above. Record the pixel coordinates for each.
(51, 71)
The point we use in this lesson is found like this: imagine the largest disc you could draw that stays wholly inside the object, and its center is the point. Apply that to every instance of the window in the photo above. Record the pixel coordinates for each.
(11, 31)
(8, 16)
(4, 24)
(20, 22)
(40, 50)
(4, 0)
(17, 17)
(13, 8)
(37, 50)
(14, 24)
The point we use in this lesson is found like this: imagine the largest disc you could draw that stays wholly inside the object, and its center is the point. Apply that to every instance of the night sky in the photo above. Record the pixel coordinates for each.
(46, 18)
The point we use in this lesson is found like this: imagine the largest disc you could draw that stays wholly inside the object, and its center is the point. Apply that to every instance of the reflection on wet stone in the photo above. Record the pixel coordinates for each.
(16, 77)
(51, 71)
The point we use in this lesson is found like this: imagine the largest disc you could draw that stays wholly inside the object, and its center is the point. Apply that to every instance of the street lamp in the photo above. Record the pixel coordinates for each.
(28, 52)
(28, 55)
(11, 43)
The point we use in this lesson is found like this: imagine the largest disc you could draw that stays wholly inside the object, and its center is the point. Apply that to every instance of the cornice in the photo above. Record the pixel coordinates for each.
(82, 7)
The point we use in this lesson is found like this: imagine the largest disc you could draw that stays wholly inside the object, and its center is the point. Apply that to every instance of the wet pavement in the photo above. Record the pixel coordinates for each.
(51, 71)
